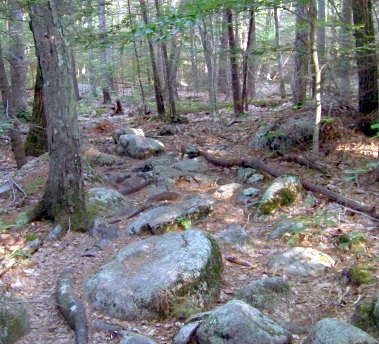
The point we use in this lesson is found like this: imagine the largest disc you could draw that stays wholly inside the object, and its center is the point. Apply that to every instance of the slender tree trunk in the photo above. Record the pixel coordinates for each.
(137, 62)
(317, 77)
(366, 56)
(345, 42)
(238, 106)
(17, 58)
(300, 81)
(73, 69)
(106, 82)
(252, 64)
(91, 67)
(246, 58)
(36, 141)
(222, 78)
(279, 54)
(171, 96)
(157, 84)
(194, 60)
(63, 200)
(4, 88)
(205, 37)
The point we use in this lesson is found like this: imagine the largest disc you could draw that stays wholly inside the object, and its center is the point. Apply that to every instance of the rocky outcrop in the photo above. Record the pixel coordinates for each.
(151, 277)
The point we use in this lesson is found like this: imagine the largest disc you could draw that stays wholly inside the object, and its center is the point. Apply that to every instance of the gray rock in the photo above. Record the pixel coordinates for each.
(264, 293)
(286, 226)
(14, 319)
(167, 217)
(283, 191)
(189, 166)
(238, 322)
(125, 131)
(226, 191)
(163, 160)
(102, 231)
(139, 147)
(243, 174)
(289, 133)
(102, 201)
(335, 331)
(186, 333)
(167, 175)
(301, 262)
(235, 237)
(144, 279)
(135, 338)
(251, 192)
(255, 178)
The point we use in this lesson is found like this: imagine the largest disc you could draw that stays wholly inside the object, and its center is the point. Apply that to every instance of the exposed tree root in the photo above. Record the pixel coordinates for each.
(71, 307)
(305, 162)
(260, 165)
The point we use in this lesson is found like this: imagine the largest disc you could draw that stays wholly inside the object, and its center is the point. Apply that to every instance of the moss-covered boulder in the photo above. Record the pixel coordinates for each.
(282, 192)
(14, 319)
(102, 201)
(150, 278)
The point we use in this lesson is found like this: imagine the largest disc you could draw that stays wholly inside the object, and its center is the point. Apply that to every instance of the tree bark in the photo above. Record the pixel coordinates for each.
(345, 43)
(157, 83)
(366, 55)
(4, 88)
(279, 54)
(106, 82)
(317, 78)
(73, 69)
(300, 81)
(63, 200)
(237, 103)
(17, 145)
(36, 141)
(17, 58)
(204, 35)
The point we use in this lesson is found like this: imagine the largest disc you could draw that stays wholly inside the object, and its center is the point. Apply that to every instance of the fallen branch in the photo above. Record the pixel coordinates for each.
(260, 165)
(71, 307)
(305, 162)
(136, 188)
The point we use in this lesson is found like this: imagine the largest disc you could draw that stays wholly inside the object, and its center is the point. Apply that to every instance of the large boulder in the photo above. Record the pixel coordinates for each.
(286, 134)
(138, 146)
(14, 319)
(301, 262)
(335, 331)
(283, 191)
(170, 217)
(235, 237)
(151, 277)
(238, 322)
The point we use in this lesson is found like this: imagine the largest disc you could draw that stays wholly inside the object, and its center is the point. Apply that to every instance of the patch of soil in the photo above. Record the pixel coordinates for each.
(34, 278)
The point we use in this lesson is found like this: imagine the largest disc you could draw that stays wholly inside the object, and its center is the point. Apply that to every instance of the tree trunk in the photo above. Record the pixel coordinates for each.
(73, 69)
(106, 82)
(63, 200)
(17, 58)
(91, 67)
(17, 145)
(238, 106)
(4, 88)
(317, 77)
(300, 81)
(173, 117)
(279, 54)
(194, 60)
(222, 78)
(246, 58)
(366, 56)
(157, 84)
(137, 62)
(204, 35)
(36, 141)
(345, 43)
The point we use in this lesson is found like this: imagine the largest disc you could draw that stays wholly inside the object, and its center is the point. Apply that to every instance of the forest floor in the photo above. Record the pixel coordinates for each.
(34, 278)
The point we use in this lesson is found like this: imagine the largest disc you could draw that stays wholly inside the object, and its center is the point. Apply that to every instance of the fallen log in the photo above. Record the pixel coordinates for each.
(260, 165)
(71, 307)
